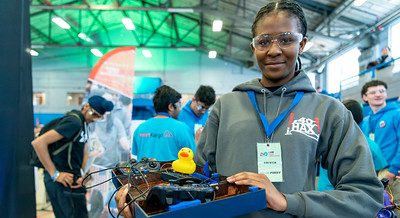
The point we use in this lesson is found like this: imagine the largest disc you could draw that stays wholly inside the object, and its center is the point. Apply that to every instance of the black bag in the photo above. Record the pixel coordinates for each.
(55, 148)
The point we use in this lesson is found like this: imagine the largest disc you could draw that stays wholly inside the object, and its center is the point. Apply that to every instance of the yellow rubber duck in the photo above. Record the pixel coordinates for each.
(185, 163)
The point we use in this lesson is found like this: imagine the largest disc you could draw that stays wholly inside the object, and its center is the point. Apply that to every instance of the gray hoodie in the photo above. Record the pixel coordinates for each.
(318, 127)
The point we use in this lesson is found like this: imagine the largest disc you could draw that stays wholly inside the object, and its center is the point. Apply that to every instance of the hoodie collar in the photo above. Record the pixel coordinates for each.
(300, 82)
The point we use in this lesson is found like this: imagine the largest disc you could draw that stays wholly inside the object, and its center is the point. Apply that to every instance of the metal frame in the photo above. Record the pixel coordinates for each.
(228, 39)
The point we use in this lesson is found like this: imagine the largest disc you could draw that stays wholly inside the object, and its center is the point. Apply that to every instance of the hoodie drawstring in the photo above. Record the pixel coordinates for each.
(264, 91)
(279, 107)
(280, 101)
(264, 101)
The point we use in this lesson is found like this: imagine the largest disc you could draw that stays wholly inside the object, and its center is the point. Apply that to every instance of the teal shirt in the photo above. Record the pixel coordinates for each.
(377, 156)
(161, 138)
(379, 163)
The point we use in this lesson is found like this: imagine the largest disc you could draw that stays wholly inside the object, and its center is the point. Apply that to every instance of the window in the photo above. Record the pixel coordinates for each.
(39, 98)
(311, 76)
(394, 41)
(75, 98)
(343, 71)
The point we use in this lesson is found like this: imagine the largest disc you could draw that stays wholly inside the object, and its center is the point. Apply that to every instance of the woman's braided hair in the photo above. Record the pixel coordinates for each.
(291, 8)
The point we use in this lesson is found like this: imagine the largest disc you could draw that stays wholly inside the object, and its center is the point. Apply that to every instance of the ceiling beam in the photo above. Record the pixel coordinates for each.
(150, 20)
(180, 10)
(321, 8)
(39, 45)
(95, 18)
(200, 9)
(320, 35)
(155, 30)
(46, 2)
(350, 44)
(315, 6)
(198, 48)
(69, 32)
(336, 13)
(175, 27)
(209, 11)
(187, 33)
(44, 11)
(125, 13)
(236, 18)
(117, 8)
(42, 35)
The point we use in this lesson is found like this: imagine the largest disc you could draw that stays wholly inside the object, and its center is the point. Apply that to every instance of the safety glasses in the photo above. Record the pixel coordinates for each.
(201, 107)
(96, 115)
(284, 40)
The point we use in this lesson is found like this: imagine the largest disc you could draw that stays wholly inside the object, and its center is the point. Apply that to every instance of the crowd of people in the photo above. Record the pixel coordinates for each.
(248, 121)
(280, 113)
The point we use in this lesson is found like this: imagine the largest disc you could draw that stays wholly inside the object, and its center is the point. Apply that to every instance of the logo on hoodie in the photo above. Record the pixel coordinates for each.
(84, 137)
(305, 126)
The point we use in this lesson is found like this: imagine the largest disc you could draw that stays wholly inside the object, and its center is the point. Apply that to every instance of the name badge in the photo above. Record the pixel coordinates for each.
(197, 127)
(372, 136)
(269, 160)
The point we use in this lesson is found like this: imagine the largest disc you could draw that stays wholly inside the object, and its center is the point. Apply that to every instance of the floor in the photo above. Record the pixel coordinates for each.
(45, 214)
(43, 206)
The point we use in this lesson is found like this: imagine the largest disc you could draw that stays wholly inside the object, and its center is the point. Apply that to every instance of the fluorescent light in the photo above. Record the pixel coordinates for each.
(217, 25)
(84, 37)
(212, 54)
(128, 23)
(359, 2)
(96, 52)
(37, 46)
(146, 53)
(186, 49)
(180, 10)
(309, 44)
(61, 23)
(33, 52)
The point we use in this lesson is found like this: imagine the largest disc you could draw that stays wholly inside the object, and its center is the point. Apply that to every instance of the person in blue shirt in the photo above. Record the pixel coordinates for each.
(379, 161)
(195, 112)
(382, 125)
(162, 136)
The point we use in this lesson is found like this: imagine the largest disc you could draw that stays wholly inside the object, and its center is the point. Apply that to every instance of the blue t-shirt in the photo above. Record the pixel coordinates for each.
(161, 138)
(190, 118)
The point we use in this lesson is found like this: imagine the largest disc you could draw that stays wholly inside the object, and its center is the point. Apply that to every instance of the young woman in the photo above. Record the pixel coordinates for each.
(269, 132)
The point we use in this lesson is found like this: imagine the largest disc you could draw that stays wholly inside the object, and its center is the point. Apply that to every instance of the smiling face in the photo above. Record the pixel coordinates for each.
(376, 96)
(278, 64)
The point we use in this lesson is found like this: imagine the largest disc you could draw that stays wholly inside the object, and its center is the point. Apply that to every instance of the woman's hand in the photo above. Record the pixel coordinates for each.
(275, 199)
(390, 176)
(120, 198)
